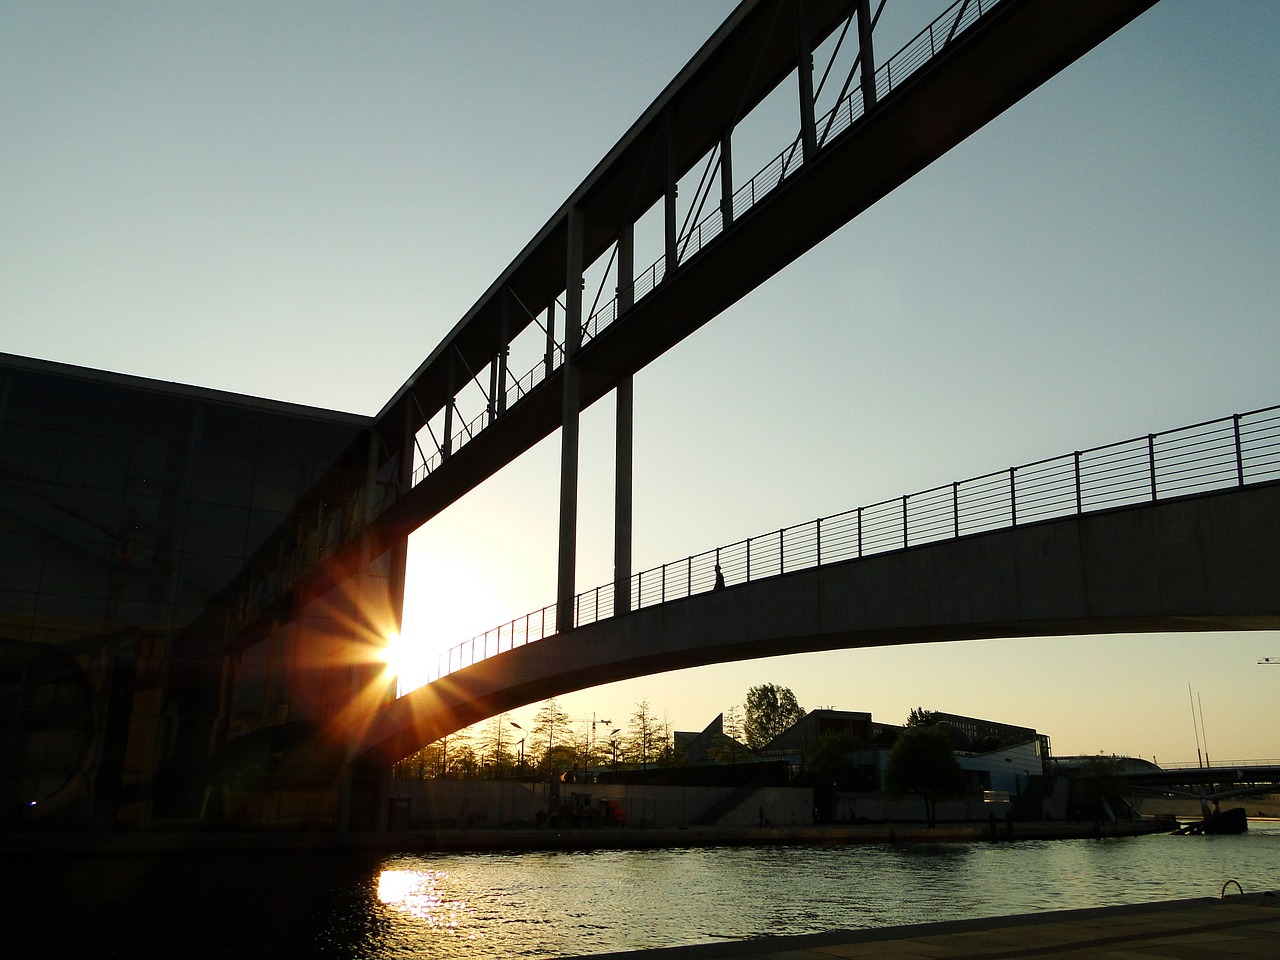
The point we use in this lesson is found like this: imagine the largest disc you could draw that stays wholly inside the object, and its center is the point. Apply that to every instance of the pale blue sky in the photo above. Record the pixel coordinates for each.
(297, 201)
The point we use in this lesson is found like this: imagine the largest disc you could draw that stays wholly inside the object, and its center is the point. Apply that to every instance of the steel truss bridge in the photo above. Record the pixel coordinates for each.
(670, 234)
(864, 126)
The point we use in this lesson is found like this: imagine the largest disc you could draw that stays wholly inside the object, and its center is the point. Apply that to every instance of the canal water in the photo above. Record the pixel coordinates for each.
(537, 905)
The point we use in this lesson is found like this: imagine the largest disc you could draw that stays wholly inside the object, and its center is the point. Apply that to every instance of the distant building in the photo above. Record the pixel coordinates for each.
(804, 733)
(1008, 769)
(998, 756)
(981, 735)
(712, 745)
(797, 742)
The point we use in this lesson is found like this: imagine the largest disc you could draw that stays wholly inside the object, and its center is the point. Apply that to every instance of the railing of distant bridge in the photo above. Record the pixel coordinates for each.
(1205, 457)
(889, 75)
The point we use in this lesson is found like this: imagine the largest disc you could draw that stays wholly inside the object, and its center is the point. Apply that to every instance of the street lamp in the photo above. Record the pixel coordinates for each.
(520, 765)
(613, 741)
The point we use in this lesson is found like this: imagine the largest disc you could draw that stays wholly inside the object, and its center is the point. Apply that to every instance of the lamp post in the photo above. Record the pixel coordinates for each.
(613, 741)
(520, 765)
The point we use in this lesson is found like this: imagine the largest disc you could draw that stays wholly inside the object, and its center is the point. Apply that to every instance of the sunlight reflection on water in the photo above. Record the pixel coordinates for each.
(422, 895)
(480, 906)
(563, 904)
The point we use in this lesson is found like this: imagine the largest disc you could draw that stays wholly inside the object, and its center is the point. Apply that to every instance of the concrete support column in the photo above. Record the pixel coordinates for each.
(670, 194)
(571, 410)
(867, 56)
(451, 388)
(804, 74)
(549, 357)
(494, 388)
(624, 418)
(500, 361)
(400, 552)
(726, 179)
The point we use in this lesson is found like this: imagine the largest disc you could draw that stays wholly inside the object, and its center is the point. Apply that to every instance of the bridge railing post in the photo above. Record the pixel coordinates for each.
(1151, 462)
(1235, 426)
(1013, 497)
(1079, 494)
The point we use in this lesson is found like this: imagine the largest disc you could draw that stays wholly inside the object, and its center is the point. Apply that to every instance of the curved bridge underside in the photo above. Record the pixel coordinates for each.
(1202, 563)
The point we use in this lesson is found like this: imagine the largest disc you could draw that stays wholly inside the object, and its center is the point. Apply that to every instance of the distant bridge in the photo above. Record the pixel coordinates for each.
(1206, 784)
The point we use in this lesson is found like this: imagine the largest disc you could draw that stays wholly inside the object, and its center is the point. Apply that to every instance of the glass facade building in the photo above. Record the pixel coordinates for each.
(153, 665)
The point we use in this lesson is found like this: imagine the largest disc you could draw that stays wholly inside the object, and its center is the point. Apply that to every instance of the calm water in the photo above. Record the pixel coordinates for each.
(537, 905)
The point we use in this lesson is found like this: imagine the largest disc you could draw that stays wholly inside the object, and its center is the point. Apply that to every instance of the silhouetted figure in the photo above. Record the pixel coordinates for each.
(719, 578)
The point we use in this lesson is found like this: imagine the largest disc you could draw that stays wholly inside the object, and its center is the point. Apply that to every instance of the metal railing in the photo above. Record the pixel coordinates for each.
(891, 74)
(1211, 456)
(1218, 764)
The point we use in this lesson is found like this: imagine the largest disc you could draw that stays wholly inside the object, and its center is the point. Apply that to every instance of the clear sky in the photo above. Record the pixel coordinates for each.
(297, 201)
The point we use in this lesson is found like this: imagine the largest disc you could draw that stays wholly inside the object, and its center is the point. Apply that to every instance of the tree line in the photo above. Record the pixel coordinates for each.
(921, 760)
(554, 742)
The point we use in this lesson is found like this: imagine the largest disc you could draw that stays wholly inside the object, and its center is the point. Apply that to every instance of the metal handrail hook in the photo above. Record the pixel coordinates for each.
(1223, 895)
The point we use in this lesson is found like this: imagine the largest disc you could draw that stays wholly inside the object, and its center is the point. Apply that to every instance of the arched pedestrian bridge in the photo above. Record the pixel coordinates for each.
(1170, 532)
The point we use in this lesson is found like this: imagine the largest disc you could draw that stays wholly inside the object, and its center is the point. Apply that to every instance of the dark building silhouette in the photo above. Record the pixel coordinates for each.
(153, 664)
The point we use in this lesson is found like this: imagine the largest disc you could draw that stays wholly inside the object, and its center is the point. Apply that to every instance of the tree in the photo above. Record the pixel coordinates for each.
(643, 741)
(668, 755)
(828, 764)
(827, 770)
(922, 762)
(728, 747)
(770, 709)
(437, 760)
(494, 745)
(920, 717)
(549, 725)
(585, 751)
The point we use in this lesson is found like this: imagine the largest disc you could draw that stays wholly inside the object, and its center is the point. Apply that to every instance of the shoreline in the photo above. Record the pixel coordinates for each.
(1201, 928)
(578, 839)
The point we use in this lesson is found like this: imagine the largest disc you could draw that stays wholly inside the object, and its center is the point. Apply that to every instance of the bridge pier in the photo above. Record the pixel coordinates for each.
(623, 438)
(571, 411)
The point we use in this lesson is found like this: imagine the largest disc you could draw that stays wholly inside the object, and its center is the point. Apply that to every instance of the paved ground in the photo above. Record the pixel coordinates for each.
(1238, 928)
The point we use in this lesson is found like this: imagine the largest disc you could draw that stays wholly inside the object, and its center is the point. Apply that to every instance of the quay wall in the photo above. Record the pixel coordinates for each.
(495, 803)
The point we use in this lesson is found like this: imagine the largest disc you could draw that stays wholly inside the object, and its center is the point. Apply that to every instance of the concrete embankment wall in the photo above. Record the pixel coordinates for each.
(444, 803)
(497, 802)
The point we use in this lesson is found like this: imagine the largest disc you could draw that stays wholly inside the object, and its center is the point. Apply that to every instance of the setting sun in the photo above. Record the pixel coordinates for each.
(408, 662)
(450, 597)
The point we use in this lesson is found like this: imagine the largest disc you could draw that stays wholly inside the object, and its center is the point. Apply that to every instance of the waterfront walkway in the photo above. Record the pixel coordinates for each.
(1239, 928)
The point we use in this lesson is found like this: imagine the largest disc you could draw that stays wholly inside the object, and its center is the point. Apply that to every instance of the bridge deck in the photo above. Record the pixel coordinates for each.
(1244, 928)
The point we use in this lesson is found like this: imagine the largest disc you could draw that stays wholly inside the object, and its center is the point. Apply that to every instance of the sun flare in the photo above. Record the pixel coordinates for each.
(409, 662)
